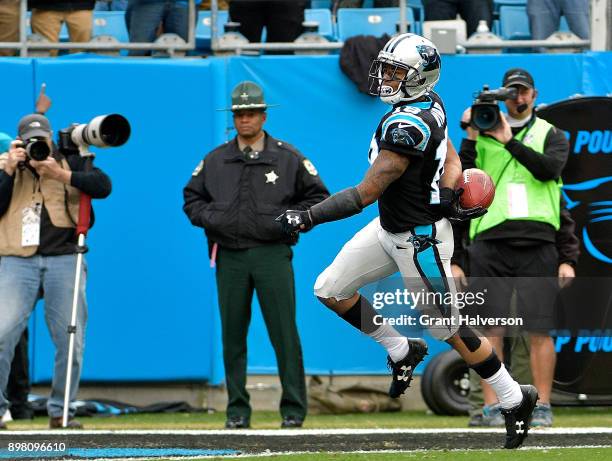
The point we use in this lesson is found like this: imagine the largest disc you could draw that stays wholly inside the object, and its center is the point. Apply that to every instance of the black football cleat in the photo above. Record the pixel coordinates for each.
(518, 418)
(403, 369)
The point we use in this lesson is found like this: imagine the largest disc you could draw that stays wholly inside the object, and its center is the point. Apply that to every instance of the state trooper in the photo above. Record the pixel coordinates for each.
(235, 194)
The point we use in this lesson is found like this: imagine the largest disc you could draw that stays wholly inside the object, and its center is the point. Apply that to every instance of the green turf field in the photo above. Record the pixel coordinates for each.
(567, 454)
(564, 417)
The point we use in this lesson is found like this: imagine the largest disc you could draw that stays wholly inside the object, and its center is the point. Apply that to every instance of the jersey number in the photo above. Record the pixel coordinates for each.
(434, 196)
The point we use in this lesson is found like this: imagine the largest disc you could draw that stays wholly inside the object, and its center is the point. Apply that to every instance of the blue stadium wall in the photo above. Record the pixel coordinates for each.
(152, 297)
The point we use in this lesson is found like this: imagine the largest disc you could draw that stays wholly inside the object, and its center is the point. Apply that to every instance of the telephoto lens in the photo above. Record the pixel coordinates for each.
(37, 149)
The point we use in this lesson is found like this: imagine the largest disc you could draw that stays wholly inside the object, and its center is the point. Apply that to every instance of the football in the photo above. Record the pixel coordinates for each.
(478, 188)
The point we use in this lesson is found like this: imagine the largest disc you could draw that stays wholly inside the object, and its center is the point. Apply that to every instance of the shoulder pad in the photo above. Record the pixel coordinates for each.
(406, 130)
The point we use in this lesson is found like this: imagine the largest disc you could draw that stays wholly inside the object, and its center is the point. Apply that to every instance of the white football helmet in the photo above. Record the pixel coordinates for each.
(415, 55)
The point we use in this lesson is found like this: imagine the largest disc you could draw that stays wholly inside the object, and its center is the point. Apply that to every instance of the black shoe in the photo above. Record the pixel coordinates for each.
(291, 422)
(402, 370)
(519, 418)
(22, 412)
(237, 422)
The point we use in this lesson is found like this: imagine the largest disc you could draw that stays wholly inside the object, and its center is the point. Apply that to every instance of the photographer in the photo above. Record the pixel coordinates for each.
(39, 206)
(524, 155)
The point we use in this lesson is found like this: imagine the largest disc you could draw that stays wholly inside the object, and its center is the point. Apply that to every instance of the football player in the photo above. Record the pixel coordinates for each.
(413, 170)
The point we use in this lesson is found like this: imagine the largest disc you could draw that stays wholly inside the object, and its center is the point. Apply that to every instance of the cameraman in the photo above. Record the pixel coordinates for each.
(524, 155)
(39, 205)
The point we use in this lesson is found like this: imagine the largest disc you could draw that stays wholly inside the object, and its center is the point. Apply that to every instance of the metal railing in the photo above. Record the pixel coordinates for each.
(23, 45)
(239, 48)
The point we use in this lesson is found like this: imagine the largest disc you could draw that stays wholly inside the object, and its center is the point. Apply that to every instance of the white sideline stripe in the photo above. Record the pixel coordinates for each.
(303, 432)
(356, 452)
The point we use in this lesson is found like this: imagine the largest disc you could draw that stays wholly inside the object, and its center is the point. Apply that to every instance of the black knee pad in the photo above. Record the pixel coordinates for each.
(469, 338)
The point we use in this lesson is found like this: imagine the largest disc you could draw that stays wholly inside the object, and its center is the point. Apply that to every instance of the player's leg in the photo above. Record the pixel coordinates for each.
(429, 256)
(362, 260)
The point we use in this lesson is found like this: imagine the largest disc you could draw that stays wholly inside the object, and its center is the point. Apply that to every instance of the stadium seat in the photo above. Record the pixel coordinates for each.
(418, 12)
(499, 3)
(514, 23)
(110, 23)
(316, 4)
(323, 17)
(370, 21)
(203, 30)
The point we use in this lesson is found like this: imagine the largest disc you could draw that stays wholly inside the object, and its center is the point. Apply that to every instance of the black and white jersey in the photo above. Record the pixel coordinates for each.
(416, 129)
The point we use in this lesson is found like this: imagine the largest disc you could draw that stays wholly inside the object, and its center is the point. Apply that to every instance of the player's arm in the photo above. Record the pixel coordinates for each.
(452, 167)
(387, 167)
(449, 197)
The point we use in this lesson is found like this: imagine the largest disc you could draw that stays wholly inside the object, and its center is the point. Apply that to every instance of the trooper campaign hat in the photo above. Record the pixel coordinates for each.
(248, 96)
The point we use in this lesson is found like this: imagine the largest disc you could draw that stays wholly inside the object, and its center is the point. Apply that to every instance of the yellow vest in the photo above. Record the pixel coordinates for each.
(60, 200)
(543, 197)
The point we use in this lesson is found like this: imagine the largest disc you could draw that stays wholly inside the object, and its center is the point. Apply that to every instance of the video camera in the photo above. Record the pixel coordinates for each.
(485, 110)
(111, 130)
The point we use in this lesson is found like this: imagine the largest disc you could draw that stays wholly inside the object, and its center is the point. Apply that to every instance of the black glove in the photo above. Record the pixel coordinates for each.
(295, 221)
(451, 208)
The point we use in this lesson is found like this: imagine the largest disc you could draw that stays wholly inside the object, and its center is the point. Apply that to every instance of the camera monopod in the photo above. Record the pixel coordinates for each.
(81, 232)
(111, 130)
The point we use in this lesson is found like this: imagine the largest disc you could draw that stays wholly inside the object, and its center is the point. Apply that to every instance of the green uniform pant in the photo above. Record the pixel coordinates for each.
(268, 271)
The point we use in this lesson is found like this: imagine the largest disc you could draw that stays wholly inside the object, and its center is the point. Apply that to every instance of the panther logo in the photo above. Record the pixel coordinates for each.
(591, 214)
(401, 136)
(430, 57)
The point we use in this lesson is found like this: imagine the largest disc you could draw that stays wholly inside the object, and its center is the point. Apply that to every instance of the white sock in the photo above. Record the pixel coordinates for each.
(507, 389)
(389, 338)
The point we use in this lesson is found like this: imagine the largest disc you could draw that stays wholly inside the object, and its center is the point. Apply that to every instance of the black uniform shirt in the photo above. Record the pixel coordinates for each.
(236, 199)
(416, 129)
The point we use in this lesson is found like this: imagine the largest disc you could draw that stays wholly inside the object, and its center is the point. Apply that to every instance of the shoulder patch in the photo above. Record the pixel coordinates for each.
(198, 168)
(310, 167)
(401, 136)
(406, 130)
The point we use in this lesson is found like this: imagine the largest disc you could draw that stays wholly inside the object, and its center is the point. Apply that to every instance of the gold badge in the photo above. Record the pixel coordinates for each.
(198, 168)
(310, 167)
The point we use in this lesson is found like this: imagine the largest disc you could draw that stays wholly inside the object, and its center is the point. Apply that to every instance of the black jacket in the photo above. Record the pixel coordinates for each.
(356, 57)
(237, 200)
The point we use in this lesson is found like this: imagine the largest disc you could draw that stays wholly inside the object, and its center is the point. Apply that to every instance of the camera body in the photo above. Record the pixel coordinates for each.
(36, 149)
(485, 110)
(102, 131)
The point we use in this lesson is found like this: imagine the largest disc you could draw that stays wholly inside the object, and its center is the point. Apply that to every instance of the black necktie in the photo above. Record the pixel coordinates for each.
(250, 154)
